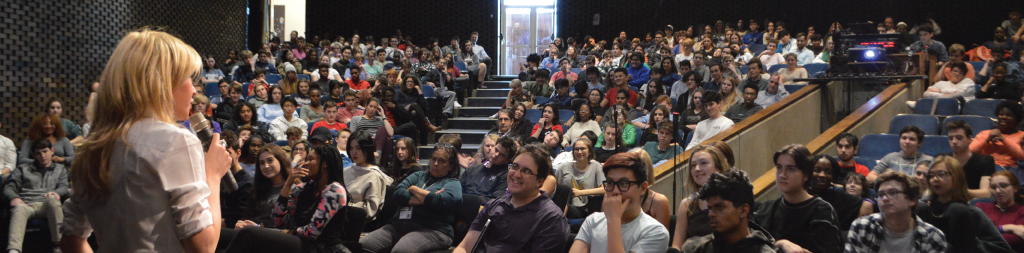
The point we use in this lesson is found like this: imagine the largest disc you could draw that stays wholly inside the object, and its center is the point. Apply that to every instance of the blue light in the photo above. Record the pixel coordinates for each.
(870, 54)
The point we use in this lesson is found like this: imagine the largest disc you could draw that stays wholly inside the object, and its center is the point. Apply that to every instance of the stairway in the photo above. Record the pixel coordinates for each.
(472, 122)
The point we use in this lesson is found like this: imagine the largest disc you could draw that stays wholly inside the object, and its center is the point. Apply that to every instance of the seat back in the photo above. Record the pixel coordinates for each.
(304, 76)
(576, 71)
(565, 115)
(815, 69)
(775, 68)
(532, 115)
(878, 145)
(743, 69)
(977, 123)
(212, 90)
(756, 49)
(282, 143)
(946, 106)
(542, 100)
(428, 91)
(309, 127)
(245, 90)
(460, 65)
(935, 144)
(273, 78)
(563, 194)
(978, 65)
(982, 107)
(927, 123)
(792, 88)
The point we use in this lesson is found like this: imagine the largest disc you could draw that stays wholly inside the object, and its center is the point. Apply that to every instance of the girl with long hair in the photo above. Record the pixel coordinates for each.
(406, 159)
(245, 115)
(548, 122)
(274, 167)
(946, 209)
(366, 181)
(145, 88)
(1006, 212)
(704, 161)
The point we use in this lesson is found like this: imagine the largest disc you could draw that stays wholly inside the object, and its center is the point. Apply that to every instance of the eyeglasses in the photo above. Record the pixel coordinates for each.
(889, 194)
(1003, 186)
(515, 167)
(623, 185)
(940, 174)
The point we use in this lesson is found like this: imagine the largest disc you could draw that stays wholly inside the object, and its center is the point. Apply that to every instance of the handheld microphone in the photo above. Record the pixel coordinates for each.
(204, 131)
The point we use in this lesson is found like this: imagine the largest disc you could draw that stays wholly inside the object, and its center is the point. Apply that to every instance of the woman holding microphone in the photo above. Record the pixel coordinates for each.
(141, 166)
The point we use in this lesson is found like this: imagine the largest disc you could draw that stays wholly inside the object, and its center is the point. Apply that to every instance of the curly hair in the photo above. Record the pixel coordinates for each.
(733, 186)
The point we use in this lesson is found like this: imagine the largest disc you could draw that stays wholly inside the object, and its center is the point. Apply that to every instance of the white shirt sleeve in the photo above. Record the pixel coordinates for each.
(183, 176)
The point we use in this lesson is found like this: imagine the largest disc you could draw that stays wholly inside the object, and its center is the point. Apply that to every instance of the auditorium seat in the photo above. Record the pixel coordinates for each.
(982, 107)
(977, 123)
(978, 65)
(775, 68)
(792, 88)
(465, 214)
(927, 123)
(461, 66)
(564, 115)
(245, 90)
(428, 91)
(756, 49)
(542, 100)
(935, 144)
(576, 71)
(309, 128)
(273, 78)
(878, 145)
(743, 70)
(532, 115)
(946, 106)
(815, 69)
(212, 90)
(304, 76)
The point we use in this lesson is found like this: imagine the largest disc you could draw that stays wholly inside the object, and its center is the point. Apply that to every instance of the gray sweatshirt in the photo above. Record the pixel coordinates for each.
(31, 183)
(896, 161)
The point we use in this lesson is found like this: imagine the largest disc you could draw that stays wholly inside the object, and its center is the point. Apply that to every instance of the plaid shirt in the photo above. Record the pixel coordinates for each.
(867, 234)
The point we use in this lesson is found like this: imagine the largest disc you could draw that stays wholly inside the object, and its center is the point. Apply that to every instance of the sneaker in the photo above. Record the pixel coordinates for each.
(457, 105)
(495, 116)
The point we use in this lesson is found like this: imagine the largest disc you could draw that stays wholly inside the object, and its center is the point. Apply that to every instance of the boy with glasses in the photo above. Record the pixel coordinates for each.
(547, 229)
(626, 183)
(895, 229)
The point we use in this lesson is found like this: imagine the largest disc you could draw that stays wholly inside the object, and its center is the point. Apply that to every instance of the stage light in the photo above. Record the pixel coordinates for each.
(870, 54)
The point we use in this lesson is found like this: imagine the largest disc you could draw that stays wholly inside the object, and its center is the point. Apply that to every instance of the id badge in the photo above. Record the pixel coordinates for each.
(405, 213)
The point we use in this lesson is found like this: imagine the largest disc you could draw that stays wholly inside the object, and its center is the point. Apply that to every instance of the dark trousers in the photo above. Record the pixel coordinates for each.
(258, 239)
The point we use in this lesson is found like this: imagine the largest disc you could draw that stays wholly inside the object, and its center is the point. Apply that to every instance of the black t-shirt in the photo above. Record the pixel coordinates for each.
(602, 155)
(979, 165)
(811, 224)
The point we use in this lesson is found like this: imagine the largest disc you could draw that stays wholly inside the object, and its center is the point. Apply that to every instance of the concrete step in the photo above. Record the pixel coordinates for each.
(496, 84)
(469, 136)
(477, 111)
(497, 93)
(474, 123)
(503, 77)
(427, 151)
(485, 101)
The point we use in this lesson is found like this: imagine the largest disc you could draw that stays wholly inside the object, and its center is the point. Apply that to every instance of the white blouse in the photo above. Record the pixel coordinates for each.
(158, 193)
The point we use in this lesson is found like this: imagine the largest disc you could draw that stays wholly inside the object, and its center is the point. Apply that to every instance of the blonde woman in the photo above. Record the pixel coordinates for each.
(146, 87)
(704, 161)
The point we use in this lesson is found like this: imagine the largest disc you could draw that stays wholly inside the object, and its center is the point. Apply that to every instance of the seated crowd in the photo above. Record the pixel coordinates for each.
(309, 151)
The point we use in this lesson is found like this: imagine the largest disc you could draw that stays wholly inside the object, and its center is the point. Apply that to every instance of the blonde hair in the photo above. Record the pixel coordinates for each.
(138, 82)
(721, 164)
(646, 158)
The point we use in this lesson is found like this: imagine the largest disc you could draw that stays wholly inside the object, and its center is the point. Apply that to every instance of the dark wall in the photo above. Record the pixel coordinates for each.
(419, 19)
(56, 49)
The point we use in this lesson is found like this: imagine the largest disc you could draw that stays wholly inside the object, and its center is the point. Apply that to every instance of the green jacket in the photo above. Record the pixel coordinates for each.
(543, 90)
(437, 211)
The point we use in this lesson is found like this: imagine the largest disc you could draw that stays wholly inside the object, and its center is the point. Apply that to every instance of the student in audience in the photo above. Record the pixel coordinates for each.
(488, 179)
(503, 125)
(771, 94)
(804, 54)
(45, 127)
(541, 86)
(245, 115)
(638, 72)
(631, 113)
(956, 53)
(549, 229)
(745, 108)
(562, 97)
(857, 185)
(769, 57)
(548, 122)
(226, 108)
(235, 202)
(250, 148)
(594, 98)
(623, 224)
(967, 229)
(200, 105)
(653, 203)
(472, 60)
(1003, 141)
(372, 119)
(907, 158)
(314, 111)
(978, 168)
(684, 89)
(72, 130)
(622, 82)
(847, 206)
(210, 73)
(520, 125)
(259, 96)
(293, 135)
(427, 201)
(312, 196)
(754, 70)
(927, 44)
(246, 70)
(278, 126)
(729, 193)
(754, 36)
(956, 86)
(406, 160)
(694, 221)
(350, 108)
(609, 143)
(628, 132)
(583, 175)
(896, 228)
(847, 145)
(586, 122)
(798, 221)
(272, 108)
(715, 123)
(408, 120)
(792, 71)
(1005, 211)
(365, 181)
(664, 149)
(717, 77)
(274, 166)
(564, 71)
(694, 112)
(330, 110)
(998, 86)
(825, 53)
(1014, 74)
(650, 122)
(35, 189)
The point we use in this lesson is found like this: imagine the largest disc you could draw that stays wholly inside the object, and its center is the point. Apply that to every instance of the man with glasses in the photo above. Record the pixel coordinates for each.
(745, 108)
(488, 179)
(771, 94)
(525, 220)
(730, 201)
(623, 226)
(978, 168)
(895, 229)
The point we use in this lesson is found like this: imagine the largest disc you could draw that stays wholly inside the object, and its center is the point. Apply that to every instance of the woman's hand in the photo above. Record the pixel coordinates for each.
(297, 173)
(244, 223)
(217, 159)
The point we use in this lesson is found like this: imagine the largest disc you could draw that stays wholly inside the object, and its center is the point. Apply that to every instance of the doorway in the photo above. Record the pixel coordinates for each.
(526, 27)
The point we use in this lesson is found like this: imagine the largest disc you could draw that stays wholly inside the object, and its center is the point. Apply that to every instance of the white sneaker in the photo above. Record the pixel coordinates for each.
(495, 116)
(457, 105)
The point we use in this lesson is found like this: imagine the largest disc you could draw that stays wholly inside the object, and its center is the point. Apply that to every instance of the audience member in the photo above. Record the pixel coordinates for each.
(729, 194)
(792, 71)
(714, 124)
(72, 130)
(745, 108)
(278, 126)
(259, 96)
(427, 201)
(272, 108)
(754, 71)
(226, 108)
(956, 54)
(370, 121)
(978, 168)
(771, 94)
(638, 72)
(350, 108)
(488, 179)
(907, 158)
(274, 168)
(35, 190)
(583, 176)
(957, 86)
(896, 228)
(234, 203)
(999, 87)
(622, 213)
(848, 207)
(631, 113)
(44, 127)
(650, 123)
(694, 220)
(847, 146)
(1003, 141)
(664, 149)
(200, 104)
(541, 86)
(1014, 74)
(967, 229)
(366, 182)
(609, 143)
(694, 112)
(622, 82)
(548, 122)
(768, 57)
(928, 45)
(799, 221)
(1005, 211)
(561, 96)
(653, 203)
(683, 90)
(330, 110)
